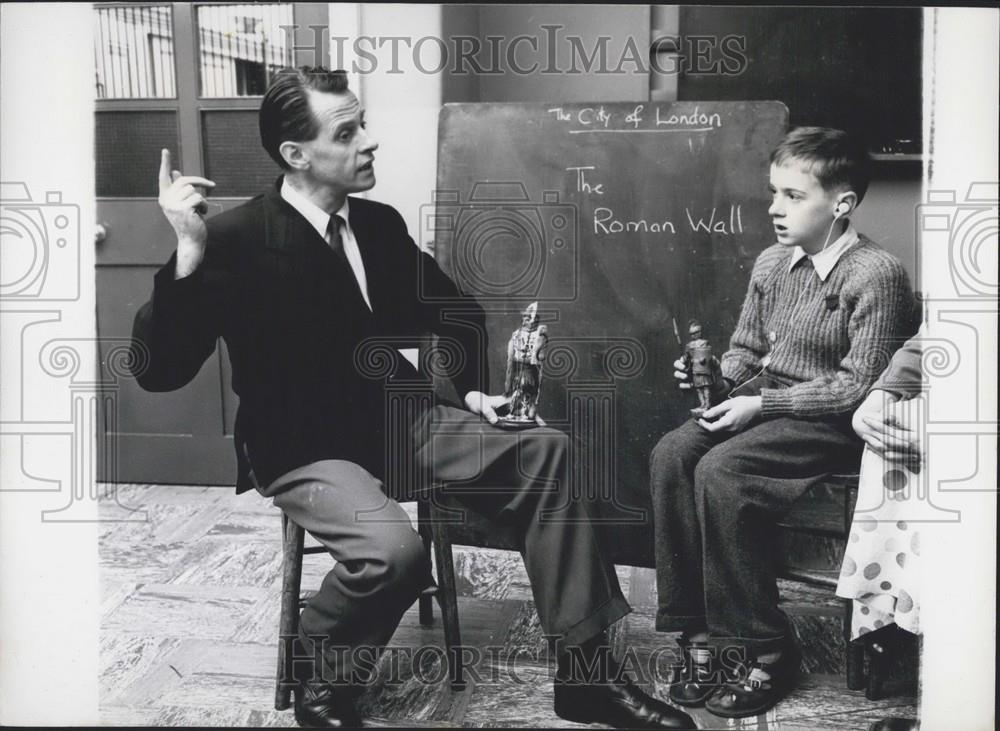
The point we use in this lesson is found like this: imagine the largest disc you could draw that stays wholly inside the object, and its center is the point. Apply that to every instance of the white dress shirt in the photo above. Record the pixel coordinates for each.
(320, 220)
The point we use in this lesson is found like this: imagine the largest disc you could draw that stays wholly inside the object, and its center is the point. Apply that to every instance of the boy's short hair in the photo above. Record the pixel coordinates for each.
(285, 113)
(833, 156)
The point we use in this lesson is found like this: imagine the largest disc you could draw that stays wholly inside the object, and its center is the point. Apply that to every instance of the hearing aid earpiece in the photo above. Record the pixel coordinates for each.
(842, 209)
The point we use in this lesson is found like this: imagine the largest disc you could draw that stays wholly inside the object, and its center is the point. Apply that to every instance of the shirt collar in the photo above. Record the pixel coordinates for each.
(826, 260)
(316, 216)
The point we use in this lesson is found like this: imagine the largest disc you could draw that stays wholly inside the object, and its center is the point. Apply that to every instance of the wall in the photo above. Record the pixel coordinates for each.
(888, 214)
(889, 209)
(588, 22)
(402, 108)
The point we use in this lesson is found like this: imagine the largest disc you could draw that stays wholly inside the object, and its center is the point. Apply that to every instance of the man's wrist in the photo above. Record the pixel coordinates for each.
(189, 258)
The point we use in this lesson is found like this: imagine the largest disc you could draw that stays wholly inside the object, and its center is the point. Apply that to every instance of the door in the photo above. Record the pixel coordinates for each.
(187, 77)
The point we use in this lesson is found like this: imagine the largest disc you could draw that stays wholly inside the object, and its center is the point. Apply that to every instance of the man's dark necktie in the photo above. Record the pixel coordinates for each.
(336, 240)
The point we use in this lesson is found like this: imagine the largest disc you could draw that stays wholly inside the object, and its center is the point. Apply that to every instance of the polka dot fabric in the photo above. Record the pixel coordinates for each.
(881, 567)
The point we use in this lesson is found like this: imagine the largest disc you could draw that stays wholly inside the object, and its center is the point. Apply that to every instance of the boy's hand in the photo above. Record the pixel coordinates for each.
(682, 374)
(733, 415)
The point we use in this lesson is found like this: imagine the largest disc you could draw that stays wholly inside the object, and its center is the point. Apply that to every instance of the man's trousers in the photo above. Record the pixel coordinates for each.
(716, 498)
(518, 477)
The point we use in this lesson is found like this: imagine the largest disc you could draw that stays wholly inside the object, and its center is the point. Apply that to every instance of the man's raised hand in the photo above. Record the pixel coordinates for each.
(183, 205)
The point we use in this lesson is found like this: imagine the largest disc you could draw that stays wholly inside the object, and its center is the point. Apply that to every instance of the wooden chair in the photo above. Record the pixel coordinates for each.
(403, 396)
(827, 512)
(293, 598)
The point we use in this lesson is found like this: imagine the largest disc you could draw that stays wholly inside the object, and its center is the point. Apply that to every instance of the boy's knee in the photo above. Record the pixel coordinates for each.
(675, 449)
(711, 471)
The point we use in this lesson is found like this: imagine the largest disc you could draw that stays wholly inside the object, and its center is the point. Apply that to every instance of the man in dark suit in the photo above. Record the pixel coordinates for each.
(300, 282)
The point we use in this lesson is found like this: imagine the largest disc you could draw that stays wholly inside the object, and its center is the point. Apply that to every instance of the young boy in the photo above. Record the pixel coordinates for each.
(825, 310)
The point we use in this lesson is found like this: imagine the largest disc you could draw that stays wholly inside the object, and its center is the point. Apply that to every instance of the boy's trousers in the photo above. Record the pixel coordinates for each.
(716, 498)
(519, 477)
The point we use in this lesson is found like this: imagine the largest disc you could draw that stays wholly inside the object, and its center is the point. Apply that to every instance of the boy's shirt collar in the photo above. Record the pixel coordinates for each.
(826, 260)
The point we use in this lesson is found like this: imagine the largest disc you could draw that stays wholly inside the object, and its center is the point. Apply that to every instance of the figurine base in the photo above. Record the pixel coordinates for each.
(507, 423)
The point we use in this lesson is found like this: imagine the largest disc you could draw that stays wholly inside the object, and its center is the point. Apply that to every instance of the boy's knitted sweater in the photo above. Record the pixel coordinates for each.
(828, 340)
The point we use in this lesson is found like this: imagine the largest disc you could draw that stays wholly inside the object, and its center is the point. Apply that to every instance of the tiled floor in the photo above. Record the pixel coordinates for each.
(189, 621)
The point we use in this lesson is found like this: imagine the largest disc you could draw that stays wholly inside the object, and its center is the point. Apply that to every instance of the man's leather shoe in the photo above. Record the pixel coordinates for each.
(318, 705)
(751, 695)
(693, 683)
(618, 704)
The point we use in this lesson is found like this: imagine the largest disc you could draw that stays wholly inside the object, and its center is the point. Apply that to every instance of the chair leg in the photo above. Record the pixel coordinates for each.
(424, 529)
(854, 650)
(293, 538)
(856, 666)
(878, 659)
(448, 599)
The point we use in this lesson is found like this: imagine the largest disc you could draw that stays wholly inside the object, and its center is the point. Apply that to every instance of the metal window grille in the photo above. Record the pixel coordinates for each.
(134, 53)
(241, 46)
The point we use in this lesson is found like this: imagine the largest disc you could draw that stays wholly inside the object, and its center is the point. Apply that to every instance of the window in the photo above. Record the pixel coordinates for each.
(241, 46)
(134, 53)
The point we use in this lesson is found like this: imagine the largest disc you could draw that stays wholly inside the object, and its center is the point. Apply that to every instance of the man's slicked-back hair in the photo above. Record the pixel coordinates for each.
(285, 115)
(837, 159)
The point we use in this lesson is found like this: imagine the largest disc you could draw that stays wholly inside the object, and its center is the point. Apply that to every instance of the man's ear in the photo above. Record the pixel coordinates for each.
(294, 155)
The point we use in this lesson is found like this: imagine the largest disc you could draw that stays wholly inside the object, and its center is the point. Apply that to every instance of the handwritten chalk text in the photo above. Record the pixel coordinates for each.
(605, 223)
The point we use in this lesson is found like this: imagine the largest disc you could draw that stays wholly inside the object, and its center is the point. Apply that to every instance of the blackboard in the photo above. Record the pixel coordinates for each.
(618, 219)
(855, 68)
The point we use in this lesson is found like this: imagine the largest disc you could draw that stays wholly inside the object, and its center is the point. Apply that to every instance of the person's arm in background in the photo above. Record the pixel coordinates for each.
(876, 420)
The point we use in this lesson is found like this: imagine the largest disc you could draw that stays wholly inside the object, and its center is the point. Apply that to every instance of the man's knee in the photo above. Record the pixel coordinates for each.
(548, 440)
(401, 555)
(543, 450)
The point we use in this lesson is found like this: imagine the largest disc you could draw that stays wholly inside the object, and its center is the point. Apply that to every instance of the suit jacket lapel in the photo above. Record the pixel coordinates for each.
(364, 234)
(287, 231)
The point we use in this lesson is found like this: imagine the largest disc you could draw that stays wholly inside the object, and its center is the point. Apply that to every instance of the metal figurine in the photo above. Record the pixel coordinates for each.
(700, 365)
(525, 354)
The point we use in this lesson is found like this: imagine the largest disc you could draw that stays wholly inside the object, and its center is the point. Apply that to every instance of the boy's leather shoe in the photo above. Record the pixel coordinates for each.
(618, 704)
(751, 696)
(319, 705)
(693, 683)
